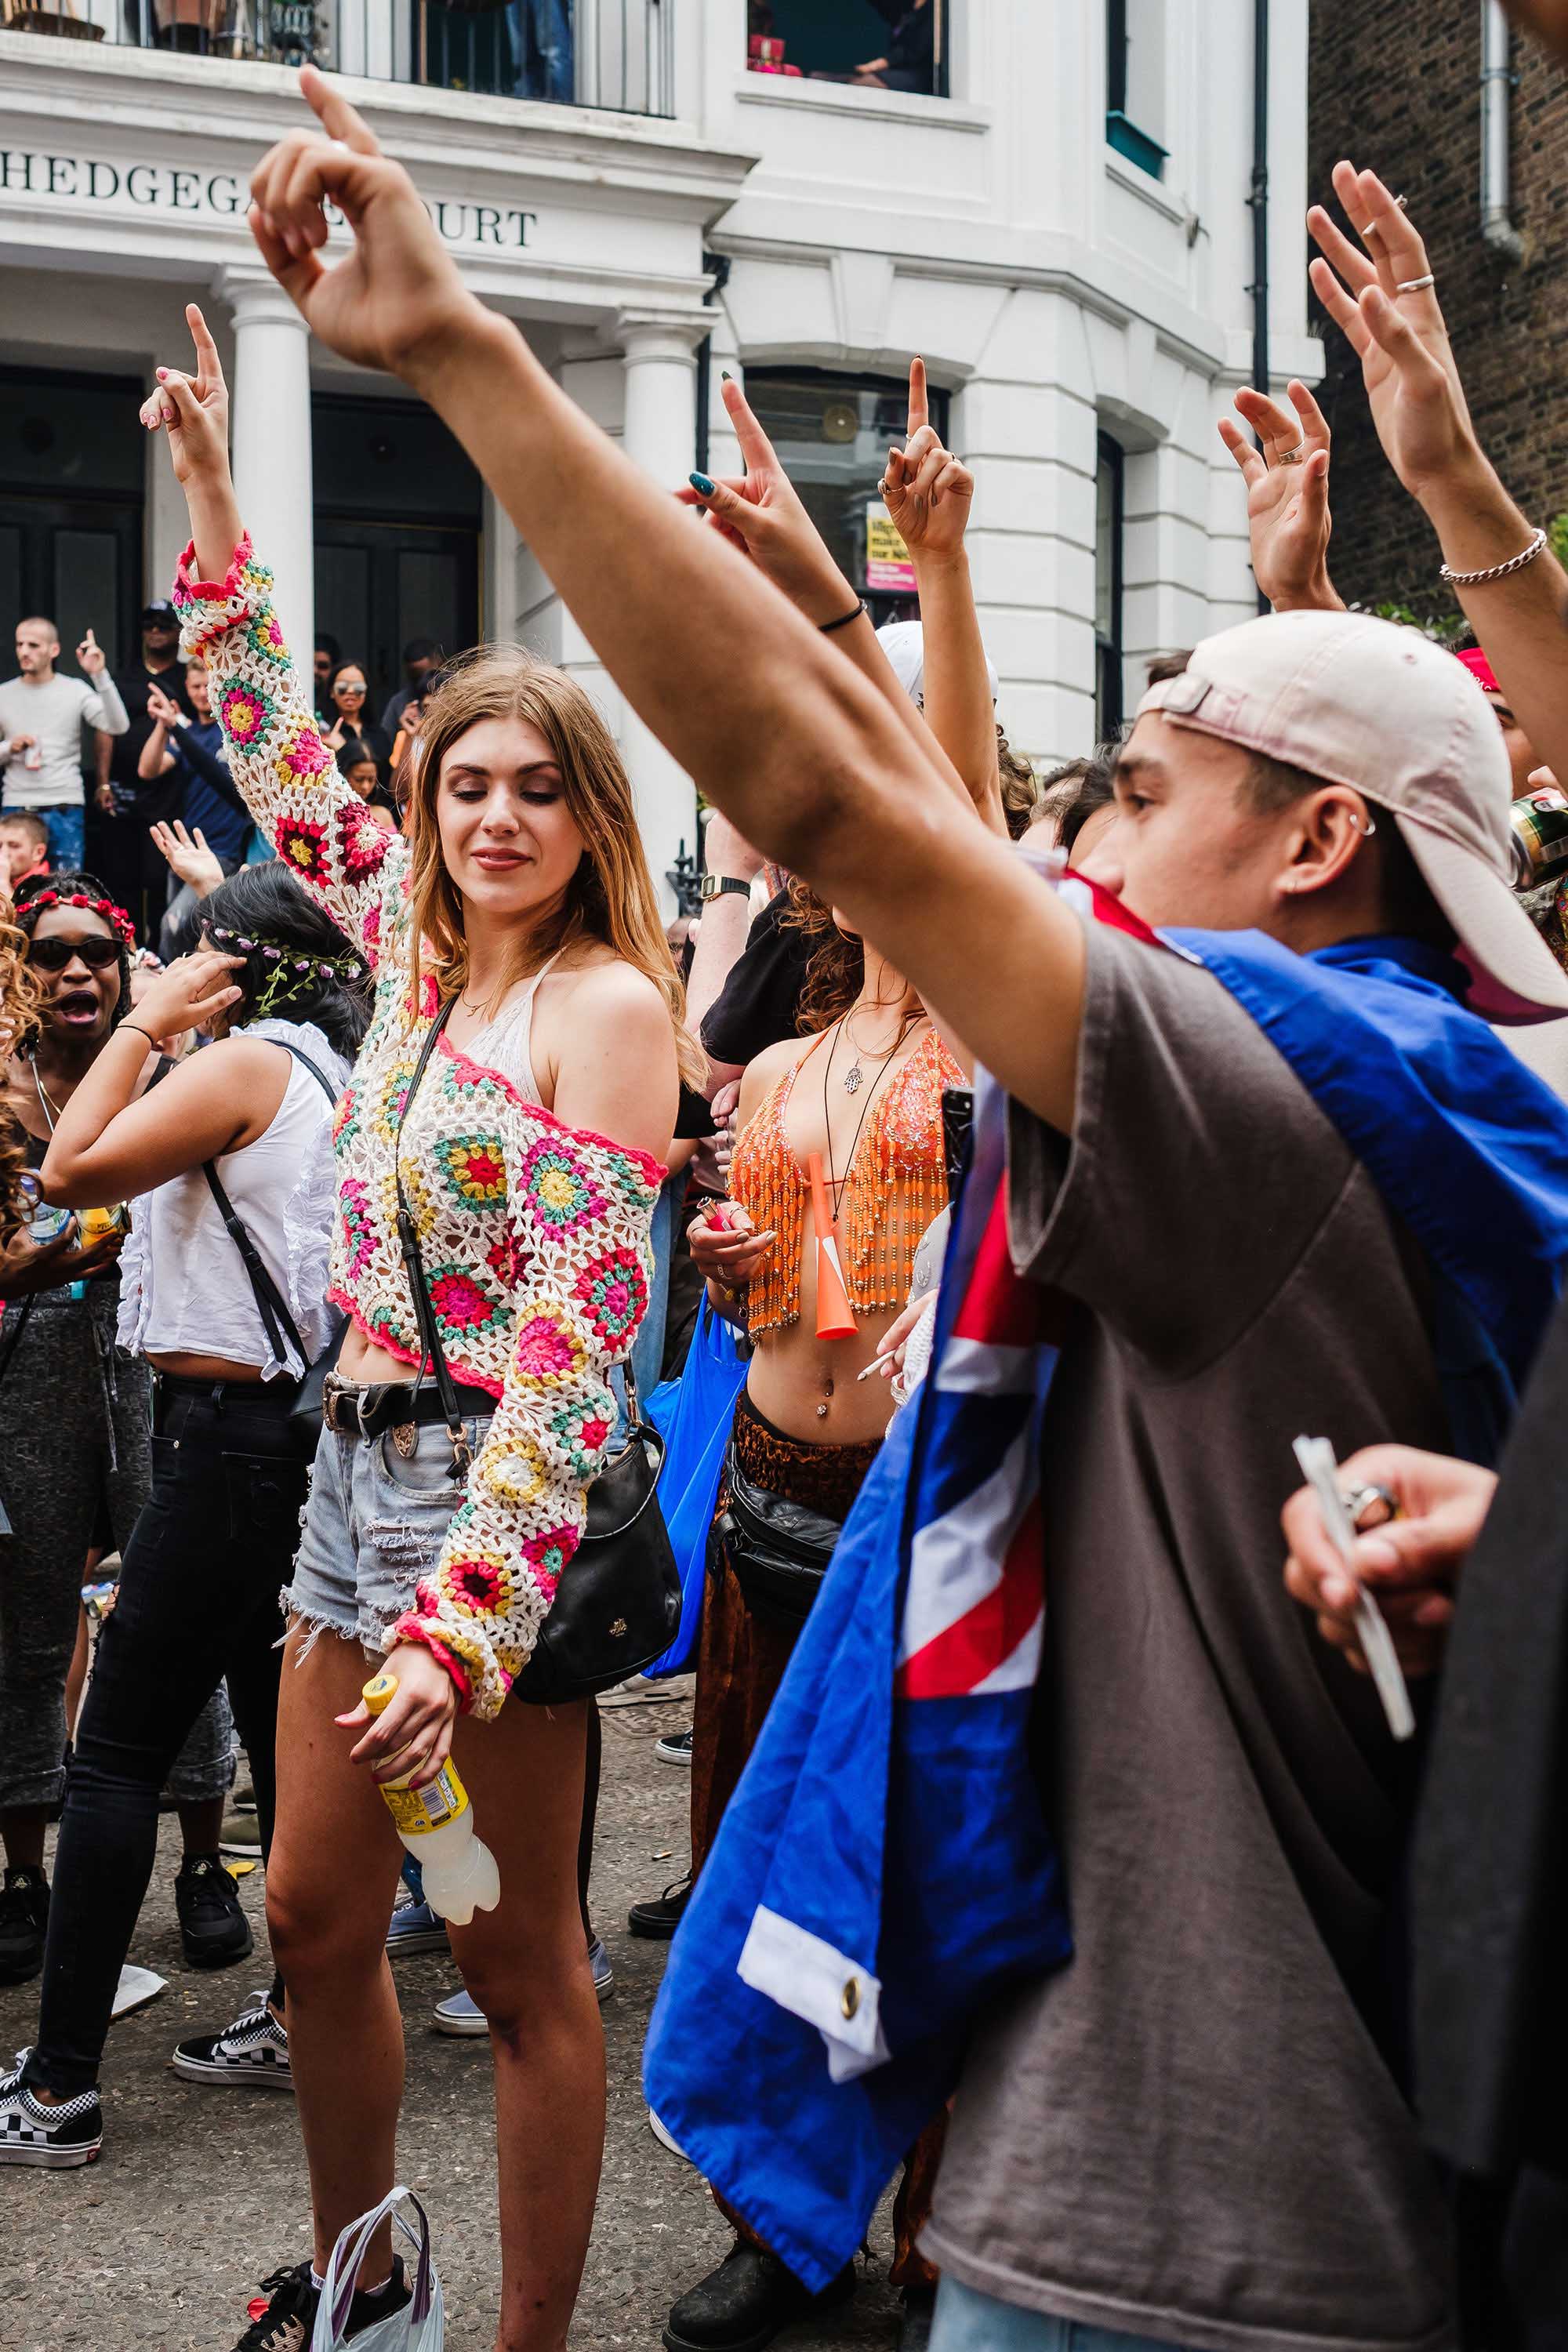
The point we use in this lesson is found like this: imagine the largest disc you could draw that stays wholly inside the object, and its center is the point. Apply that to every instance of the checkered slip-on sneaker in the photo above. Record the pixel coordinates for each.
(254, 2048)
(56, 2138)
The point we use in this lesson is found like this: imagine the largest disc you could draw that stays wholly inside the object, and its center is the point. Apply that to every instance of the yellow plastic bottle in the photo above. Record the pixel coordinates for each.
(437, 1825)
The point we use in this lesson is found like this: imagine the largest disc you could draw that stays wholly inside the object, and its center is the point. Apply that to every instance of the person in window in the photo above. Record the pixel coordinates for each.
(539, 34)
(910, 62)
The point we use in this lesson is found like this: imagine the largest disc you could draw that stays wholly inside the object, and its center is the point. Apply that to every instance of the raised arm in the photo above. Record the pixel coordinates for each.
(930, 496)
(1381, 293)
(833, 783)
(104, 708)
(284, 772)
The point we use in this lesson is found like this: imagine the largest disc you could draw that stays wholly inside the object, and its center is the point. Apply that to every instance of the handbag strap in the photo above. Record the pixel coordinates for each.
(414, 1265)
(271, 1303)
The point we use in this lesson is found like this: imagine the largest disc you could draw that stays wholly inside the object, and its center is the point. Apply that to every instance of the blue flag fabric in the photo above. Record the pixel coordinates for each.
(884, 1867)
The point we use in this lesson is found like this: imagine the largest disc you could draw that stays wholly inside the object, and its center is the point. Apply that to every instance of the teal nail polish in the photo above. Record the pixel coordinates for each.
(702, 485)
(725, 377)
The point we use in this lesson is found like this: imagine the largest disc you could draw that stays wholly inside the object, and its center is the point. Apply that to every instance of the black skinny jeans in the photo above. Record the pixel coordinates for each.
(198, 1599)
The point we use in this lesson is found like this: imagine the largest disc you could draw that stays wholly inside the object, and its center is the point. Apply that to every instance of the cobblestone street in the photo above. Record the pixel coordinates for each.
(156, 2247)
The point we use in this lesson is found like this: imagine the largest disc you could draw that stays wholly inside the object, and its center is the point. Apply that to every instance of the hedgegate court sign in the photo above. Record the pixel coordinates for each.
(82, 182)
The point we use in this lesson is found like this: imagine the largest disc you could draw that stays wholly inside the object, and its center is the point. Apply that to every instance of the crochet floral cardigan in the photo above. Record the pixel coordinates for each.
(535, 1237)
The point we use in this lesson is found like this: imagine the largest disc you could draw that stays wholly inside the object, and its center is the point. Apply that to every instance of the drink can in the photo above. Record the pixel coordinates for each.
(46, 1223)
(33, 756)
(97, 1224)
(1540, 828)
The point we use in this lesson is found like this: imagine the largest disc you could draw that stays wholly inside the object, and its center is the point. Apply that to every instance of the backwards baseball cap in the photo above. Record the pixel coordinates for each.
(1356, 700)
(904, 644)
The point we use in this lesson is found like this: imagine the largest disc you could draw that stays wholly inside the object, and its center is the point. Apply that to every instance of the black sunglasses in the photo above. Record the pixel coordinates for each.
(53, 955)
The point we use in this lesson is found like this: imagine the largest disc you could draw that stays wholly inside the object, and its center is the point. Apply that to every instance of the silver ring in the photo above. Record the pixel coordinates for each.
(1290, 457)
(1415, 285)
(1359, 1500)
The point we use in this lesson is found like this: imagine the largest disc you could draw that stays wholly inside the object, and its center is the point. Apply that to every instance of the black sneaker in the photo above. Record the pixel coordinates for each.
(745, 2303)
(24, 1916)
(675, 1747)
(214, 1930)
(56, 2137)
(660, 1920)
(283, 2316)
(254, 2048)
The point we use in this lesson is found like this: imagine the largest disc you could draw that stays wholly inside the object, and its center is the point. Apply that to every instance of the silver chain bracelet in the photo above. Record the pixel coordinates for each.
(1497, 570)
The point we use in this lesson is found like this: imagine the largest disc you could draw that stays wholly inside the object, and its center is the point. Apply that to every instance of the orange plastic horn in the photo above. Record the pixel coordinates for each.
(835, 1318)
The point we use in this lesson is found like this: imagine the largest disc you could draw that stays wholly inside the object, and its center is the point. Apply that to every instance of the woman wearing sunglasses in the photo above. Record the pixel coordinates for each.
(272, 980)
(348, 698)
(77, 1465)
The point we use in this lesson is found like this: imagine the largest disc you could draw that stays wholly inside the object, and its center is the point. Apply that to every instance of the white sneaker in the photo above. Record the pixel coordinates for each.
(459, 2016)
(55, 2138)
(254, 2048)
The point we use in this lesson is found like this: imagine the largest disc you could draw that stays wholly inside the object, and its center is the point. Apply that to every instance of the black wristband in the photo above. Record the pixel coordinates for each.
(844, 619)
(140, 1031)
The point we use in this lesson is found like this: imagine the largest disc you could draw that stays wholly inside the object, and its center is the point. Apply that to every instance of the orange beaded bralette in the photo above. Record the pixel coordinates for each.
(895, 1184)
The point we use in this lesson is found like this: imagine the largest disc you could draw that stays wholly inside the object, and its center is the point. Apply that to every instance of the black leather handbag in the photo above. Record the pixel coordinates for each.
(779, 1550)
(617, 1601)
(304, 1415)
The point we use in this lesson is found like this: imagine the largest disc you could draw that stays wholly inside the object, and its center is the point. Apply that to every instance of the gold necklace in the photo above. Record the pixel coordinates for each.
(51, 1109)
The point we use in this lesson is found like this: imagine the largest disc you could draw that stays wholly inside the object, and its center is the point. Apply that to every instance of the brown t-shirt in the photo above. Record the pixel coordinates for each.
(1192, 2131)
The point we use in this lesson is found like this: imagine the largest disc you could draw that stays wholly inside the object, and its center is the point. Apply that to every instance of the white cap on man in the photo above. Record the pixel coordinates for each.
(1353, 699)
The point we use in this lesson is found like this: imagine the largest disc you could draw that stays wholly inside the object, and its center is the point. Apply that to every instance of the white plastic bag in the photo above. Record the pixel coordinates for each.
(419, 2326)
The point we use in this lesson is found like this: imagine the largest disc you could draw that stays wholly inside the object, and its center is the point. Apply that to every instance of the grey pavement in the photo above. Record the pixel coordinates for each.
(198, 2192)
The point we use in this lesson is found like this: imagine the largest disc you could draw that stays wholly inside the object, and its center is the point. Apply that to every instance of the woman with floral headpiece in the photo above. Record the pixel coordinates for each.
(228, 1347)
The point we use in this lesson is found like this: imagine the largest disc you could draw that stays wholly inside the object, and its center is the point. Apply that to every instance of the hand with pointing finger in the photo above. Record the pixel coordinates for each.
(928, 492)
(395, 299)
(762, 514)
(92, 657)
(1288, 516)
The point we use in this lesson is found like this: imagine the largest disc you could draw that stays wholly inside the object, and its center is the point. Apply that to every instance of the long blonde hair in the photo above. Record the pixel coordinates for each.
(610, 898)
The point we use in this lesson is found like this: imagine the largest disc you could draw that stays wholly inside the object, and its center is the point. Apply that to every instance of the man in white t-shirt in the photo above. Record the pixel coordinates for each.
(41, 718)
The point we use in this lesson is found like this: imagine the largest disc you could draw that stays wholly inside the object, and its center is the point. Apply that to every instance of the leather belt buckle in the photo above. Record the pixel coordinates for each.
(335, 1394)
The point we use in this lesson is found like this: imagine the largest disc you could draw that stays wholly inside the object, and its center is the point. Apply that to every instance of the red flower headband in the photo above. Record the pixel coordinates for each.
(116, 919)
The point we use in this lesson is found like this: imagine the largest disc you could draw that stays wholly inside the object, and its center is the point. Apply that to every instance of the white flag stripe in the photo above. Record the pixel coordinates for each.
(982, 1368)
(957, 1559)
(1018, 1671)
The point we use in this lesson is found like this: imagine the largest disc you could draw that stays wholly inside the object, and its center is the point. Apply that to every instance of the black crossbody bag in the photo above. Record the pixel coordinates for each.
(304, 1415)
(617, 1603)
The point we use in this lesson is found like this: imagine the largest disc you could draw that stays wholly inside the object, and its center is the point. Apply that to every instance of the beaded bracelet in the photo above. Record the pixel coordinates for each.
(1497, 570)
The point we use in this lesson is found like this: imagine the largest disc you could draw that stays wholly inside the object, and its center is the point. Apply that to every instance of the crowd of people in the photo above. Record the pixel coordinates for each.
(1020, 1164)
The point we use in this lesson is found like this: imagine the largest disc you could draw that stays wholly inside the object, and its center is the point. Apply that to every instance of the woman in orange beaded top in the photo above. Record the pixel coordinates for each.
(862, 1091)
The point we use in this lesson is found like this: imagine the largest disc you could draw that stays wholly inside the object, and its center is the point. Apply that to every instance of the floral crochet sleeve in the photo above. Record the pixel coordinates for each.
(585, 1210)
(315, 821)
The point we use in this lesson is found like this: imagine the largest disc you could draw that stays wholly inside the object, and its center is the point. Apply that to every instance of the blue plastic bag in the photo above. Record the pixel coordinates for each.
(693, 1415)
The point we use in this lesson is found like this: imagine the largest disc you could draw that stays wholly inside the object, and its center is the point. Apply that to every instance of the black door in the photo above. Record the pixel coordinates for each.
(71, 462)
(397, 534)
(379, 585)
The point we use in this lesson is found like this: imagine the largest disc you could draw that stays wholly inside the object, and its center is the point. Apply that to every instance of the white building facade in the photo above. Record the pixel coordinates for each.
(1055, 215)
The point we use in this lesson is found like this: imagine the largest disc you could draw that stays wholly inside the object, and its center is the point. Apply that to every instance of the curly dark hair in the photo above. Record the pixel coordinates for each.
(837, 970)
(265, 904)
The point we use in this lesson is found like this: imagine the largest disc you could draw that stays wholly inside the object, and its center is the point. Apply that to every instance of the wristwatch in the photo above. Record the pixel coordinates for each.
(714, 886)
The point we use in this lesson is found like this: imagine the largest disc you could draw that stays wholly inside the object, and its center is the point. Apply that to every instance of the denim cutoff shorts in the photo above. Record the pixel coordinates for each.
(374, 1524)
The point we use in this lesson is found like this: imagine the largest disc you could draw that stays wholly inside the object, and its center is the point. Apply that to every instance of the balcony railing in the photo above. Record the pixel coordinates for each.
(608, 53)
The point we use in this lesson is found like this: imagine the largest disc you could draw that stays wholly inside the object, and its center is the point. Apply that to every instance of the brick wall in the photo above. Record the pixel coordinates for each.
(1398, 89)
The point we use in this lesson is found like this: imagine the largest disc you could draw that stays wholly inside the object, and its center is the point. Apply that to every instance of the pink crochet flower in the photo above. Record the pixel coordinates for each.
(546, 1350)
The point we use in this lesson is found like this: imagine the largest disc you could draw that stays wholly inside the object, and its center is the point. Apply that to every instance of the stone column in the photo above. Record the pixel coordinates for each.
(272, 436)
(660, 434)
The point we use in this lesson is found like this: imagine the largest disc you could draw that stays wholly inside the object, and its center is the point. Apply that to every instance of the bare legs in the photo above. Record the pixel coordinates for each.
(332, 1879)
(526, 1965)
(330, 1885)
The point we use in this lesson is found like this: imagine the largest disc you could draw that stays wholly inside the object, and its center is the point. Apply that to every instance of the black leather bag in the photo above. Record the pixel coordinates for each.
(779, 1550)
(304, 1415)
(617, 1601)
